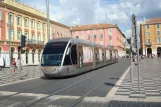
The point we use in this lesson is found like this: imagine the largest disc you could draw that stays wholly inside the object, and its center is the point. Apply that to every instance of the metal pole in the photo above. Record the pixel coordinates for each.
(20, 58)
(137, 50)
(144, 37)
(131, 70)
(47, 14)
(10, 48)
(93, 53)
(136, 42)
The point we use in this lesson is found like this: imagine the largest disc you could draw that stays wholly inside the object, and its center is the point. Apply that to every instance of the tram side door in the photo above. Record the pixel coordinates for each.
(80, 57)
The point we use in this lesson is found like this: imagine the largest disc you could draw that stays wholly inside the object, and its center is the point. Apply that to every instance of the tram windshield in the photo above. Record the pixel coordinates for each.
(53, 54)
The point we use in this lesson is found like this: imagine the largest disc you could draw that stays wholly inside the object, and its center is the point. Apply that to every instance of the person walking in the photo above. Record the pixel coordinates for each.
(20, 63)
(14, 65)
(2, 62)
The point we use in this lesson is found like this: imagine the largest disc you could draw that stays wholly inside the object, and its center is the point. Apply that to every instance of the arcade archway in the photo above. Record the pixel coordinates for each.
(149, 51)
(27, 52)
(159, 51)
(33, 53)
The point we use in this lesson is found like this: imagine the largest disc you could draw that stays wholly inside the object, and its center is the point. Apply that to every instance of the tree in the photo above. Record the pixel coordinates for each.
(127, 51)
(140, 50)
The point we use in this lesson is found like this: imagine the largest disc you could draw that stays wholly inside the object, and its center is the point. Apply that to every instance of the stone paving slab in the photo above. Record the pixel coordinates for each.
(28, 72)
(150, 80)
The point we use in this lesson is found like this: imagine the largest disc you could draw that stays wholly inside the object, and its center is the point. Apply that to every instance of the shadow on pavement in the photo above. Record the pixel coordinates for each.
(116, 103)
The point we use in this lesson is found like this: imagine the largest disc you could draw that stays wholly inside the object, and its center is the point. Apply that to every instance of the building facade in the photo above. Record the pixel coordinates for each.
(17, 19)
(150, 37)
(104, 34)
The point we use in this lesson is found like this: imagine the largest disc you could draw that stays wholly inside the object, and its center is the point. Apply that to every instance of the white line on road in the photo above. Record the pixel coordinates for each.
(19, 81)
(112, 92)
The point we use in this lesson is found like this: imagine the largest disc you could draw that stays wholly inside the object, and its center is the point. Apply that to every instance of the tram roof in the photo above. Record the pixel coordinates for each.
(77, 41)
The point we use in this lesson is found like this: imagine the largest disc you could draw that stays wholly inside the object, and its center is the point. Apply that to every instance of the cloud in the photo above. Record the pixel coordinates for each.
(74, 12)
(128, 33)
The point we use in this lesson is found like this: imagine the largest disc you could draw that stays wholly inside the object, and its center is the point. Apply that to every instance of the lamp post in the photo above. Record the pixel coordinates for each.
(144, 36)
(47, 14)
(10, 47)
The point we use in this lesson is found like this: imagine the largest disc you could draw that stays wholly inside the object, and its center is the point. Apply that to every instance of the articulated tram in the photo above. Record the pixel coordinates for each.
(70, 56)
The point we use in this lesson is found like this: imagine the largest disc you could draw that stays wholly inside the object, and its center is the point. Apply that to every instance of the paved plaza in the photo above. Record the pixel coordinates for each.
(28, 72)
(128, 94)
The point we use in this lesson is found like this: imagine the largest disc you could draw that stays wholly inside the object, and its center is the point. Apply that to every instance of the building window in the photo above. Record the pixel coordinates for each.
(18, 35)
(101, 30)
(110, 30)
(43, 27)
(158, 39)
(27, 35)
(11, 34)
(95, 36)
(110, 42)
(1, 16)
(44, 39)
(148, 33)
(26, 23)
(147, 26)
(76, 33)
(94, 31)
(38, 37)
(88, 31)
(77, 37)
(82, 32)
(158, 32)
(0, 33)
(32, 37)
(38, 26)
(88, 37)
(19, 20)
(148, 41)
(10, 18)
(101, 36)
(158, 26)
(32, 24)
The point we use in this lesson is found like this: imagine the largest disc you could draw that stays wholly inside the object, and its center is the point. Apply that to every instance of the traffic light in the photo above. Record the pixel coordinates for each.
(23, 41)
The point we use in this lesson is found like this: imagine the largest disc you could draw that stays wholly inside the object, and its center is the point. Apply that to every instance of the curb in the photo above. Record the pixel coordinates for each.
(112, 92)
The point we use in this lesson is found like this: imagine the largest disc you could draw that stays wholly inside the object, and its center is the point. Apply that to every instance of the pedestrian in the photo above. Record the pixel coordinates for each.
(19, 62)
(2, 62)
(14, 65)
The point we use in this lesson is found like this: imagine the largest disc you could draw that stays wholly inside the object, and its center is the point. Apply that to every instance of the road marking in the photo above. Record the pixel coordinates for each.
(112, 92)
(86, 99)
(19, 81)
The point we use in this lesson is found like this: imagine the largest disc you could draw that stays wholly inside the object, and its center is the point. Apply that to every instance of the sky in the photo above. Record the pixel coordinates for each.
(83, 12)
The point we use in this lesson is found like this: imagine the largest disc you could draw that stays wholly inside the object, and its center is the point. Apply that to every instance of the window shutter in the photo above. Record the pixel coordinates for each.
(0, 16)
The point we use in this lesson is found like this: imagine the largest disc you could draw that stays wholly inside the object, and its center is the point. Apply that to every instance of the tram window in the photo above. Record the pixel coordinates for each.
(111, 53)
(102, 55)
(67, 60)
(74, 54)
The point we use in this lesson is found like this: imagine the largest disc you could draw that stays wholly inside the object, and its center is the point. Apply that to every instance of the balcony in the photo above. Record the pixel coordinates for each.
(34, 42)
(148, 44)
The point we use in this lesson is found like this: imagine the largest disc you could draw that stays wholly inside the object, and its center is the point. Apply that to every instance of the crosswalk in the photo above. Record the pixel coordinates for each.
(28, 72)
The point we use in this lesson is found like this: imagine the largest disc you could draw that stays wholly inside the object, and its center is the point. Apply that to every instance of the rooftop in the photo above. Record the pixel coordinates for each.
(96, 26)
(154, 20)
(93, 26)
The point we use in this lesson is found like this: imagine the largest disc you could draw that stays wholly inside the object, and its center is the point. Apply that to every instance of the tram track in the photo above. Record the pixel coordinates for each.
(61, 90)
(69, 87)
(44, 85)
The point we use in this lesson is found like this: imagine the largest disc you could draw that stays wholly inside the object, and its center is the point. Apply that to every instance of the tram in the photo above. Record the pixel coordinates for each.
(63, 57)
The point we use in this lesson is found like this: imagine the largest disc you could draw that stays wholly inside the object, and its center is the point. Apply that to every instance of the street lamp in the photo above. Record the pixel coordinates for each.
(47, 14)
